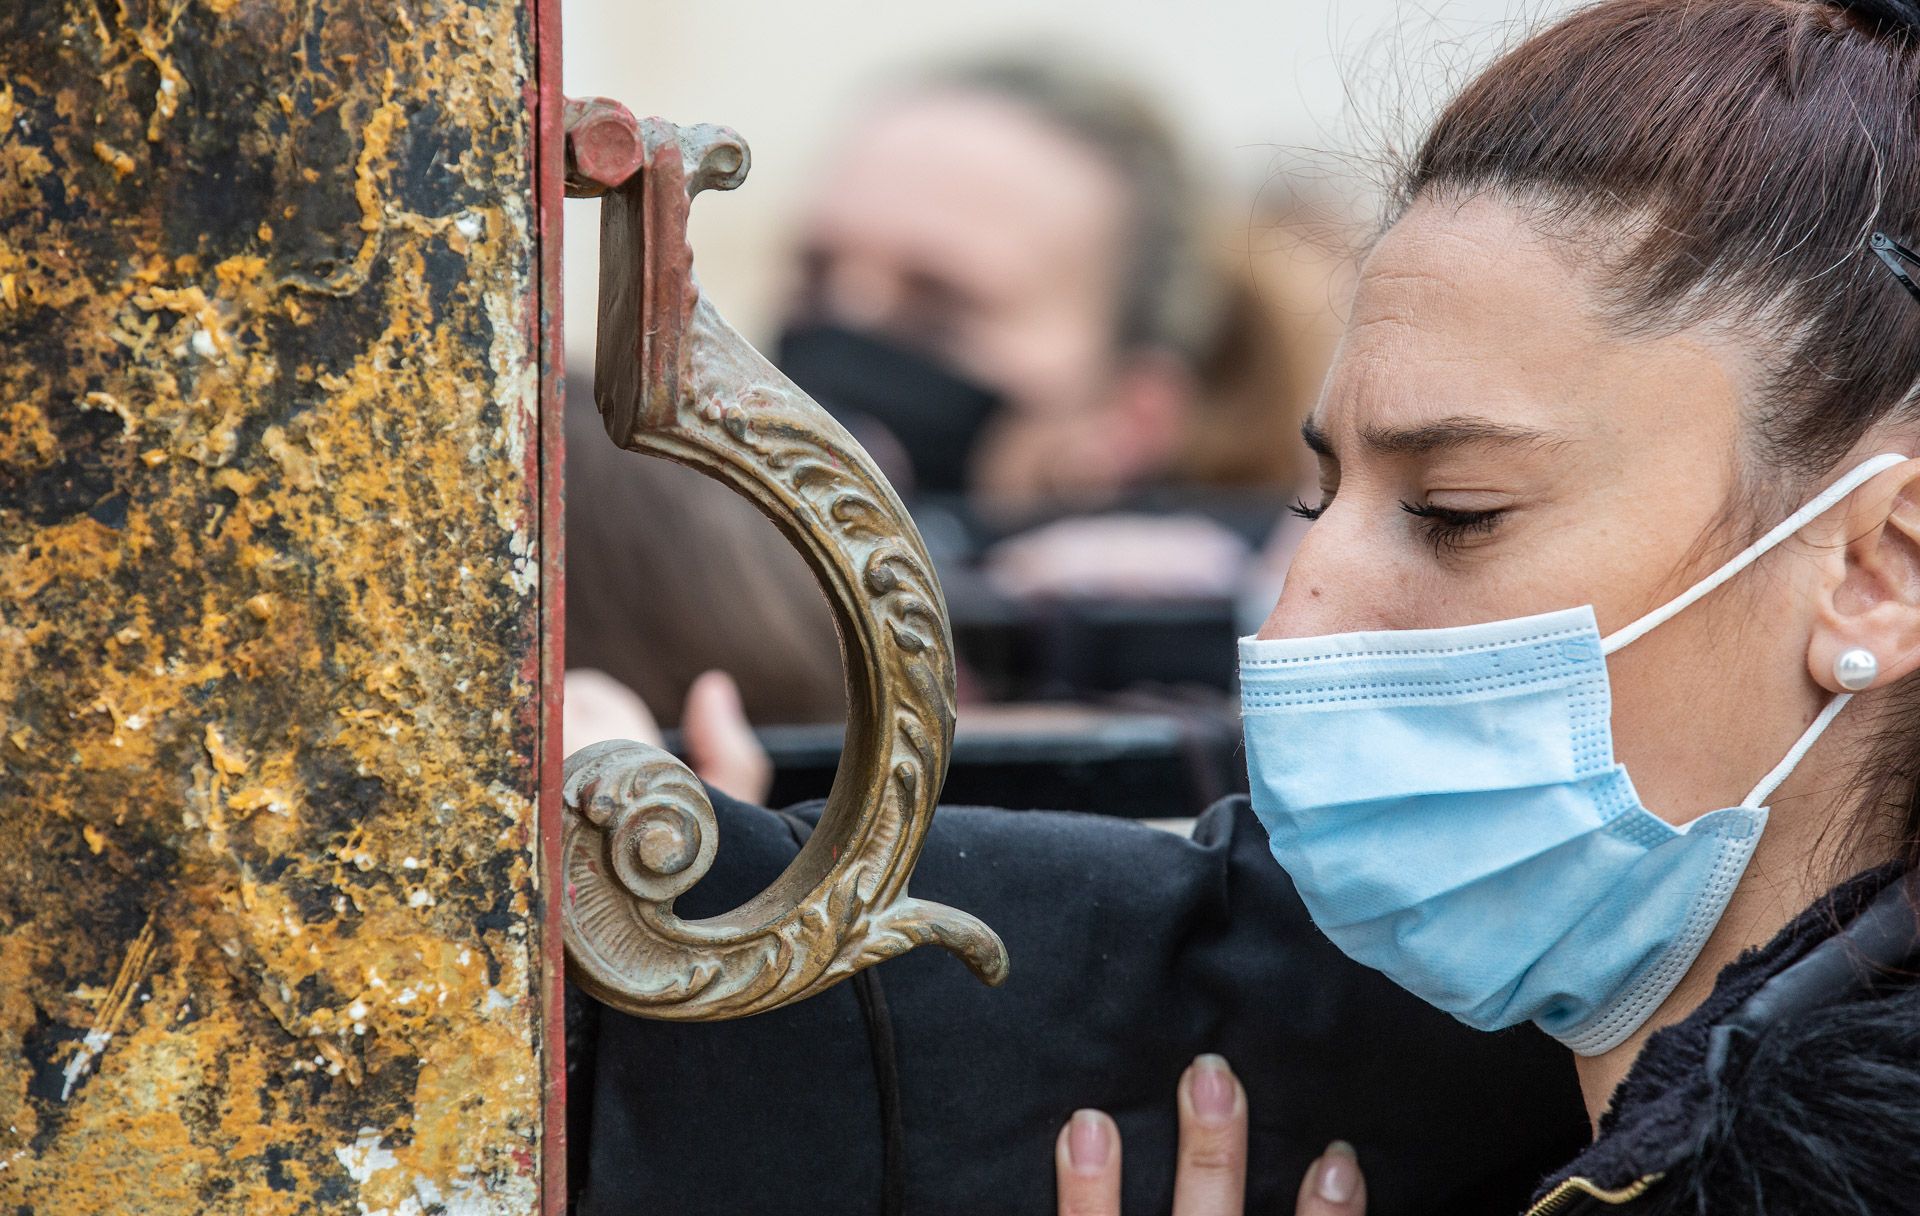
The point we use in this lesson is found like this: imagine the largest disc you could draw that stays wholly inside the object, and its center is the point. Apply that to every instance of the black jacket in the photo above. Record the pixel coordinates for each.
(918, 1090)
(1793, 1090)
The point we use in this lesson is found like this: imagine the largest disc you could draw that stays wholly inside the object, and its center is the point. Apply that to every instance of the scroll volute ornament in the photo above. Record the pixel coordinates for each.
(673, 379)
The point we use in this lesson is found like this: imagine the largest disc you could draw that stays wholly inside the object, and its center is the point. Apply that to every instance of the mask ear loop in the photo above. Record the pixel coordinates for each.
(1757, 797)
(1752, 553)
(1819, 505)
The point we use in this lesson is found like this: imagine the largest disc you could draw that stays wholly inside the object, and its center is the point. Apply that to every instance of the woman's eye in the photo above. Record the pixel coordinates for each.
(1449, 529)
(1298, 507)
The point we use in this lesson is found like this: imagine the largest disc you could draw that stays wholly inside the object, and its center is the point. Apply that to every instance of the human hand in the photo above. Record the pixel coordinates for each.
(721, 746)
(1211, 1174)
(595, 707)
(722, 749)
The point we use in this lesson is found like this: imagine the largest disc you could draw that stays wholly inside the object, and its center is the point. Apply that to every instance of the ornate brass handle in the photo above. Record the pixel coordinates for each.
(673, 379)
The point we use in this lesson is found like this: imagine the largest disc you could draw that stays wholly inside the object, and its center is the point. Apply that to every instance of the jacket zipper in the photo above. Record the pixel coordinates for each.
(1562, 1198)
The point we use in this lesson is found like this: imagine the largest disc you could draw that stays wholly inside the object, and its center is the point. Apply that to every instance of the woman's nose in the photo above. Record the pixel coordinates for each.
(1330, 586)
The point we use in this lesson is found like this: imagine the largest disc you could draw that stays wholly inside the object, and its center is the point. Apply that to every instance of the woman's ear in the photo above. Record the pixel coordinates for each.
(1874, 603)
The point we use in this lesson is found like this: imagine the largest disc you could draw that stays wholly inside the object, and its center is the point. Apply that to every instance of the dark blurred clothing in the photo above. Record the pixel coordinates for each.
(1133, 950)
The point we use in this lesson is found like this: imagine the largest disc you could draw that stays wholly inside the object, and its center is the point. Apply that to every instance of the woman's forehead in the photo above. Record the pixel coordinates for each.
(1469, 309)
(1476, 274)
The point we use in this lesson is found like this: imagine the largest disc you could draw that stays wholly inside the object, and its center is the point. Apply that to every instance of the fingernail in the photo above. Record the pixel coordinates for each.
(1212, 1088)
(1339, 1172)
(1087, 1146)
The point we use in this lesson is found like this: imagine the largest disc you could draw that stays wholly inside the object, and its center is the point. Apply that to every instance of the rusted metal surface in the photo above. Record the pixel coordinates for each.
(270, 592)
(547, 104)
(672, 379)
(603, 146)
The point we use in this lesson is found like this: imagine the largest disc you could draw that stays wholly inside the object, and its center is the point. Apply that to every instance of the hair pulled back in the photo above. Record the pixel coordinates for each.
(1736, 157)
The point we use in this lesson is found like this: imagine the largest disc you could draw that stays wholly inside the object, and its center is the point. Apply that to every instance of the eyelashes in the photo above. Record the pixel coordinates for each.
(1447, 529)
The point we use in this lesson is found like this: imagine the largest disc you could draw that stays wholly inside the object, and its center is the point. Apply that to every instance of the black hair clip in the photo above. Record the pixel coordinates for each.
(1892, 252)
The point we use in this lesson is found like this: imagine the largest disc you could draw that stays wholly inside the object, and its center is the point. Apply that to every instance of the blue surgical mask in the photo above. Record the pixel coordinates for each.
(1448, 805)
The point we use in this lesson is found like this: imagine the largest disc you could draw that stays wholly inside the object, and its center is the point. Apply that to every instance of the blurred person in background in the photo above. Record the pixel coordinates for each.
(1016, 291)
(1288, 277)
(1006, 290)
(1019, 293)
(998, 285)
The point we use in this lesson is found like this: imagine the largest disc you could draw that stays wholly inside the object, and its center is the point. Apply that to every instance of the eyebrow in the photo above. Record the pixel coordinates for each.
(1429, 437)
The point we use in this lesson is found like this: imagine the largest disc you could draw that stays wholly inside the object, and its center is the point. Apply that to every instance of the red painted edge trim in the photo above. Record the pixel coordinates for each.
(545, 105)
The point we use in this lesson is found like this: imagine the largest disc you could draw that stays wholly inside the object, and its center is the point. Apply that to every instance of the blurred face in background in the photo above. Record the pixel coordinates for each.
(966, 228)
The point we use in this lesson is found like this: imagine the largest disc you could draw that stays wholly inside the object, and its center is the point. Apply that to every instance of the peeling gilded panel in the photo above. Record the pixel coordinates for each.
(269, 634)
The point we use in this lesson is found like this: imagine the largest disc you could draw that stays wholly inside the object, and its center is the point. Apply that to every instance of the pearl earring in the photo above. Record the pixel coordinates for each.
(1855, 669)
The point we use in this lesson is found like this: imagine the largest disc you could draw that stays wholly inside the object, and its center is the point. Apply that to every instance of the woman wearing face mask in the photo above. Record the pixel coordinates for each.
(1589, 698)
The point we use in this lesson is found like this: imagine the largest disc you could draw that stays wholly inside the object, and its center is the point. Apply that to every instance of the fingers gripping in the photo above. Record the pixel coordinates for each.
(1211, 1174)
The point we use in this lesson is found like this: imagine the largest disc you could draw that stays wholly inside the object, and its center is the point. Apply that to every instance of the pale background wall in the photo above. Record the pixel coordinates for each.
(1245, 78)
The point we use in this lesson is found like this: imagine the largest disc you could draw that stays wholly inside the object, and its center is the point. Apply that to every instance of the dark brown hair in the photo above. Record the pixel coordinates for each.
(1734, 158)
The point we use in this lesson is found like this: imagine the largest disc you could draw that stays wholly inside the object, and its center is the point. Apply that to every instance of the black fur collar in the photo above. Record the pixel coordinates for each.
(1817, 1111)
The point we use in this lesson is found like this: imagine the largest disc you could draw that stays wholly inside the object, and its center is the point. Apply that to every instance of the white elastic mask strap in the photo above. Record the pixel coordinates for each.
(1752, 553)
(1808, 737)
